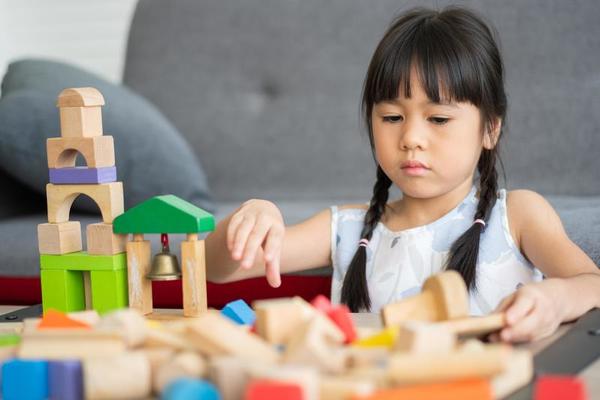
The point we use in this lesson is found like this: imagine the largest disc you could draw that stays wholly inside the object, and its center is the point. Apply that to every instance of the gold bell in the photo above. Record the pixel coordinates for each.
(165, 266)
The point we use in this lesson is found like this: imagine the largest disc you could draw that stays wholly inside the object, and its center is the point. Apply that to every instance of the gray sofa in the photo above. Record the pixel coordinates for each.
(267, 95)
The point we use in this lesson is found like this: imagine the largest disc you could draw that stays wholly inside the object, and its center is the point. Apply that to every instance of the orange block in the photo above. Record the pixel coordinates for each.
(53, 319)
(466, 389)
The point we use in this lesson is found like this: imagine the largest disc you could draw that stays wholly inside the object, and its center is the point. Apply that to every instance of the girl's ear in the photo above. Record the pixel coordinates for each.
(492, 133)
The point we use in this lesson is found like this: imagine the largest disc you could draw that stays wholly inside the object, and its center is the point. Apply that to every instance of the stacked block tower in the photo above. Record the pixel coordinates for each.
(73, 279)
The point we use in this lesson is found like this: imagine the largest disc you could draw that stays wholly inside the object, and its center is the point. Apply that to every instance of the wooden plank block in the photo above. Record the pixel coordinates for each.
(82, 261)
(138, 266)
(102, 241)
(82, 175)
(108, 197)
(215, 335)
(80, 121)
(98, 151)
(125, 376)
(420, 338)
(466, 389)
(62, 344)
(427, 368)
(60, 238)
(444, 296)
(193, 274)
(278, 319)
(80, 97)
(475, 326)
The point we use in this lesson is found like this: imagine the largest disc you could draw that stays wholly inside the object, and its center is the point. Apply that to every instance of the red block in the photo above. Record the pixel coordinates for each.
(559, 387)
(340, 315)
(273, 390)
(321, 303)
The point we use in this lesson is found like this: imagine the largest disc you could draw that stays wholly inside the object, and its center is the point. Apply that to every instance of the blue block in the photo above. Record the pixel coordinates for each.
(83, 175)
(239, 312)
(65, 380)
(188, 388)
(25, 380)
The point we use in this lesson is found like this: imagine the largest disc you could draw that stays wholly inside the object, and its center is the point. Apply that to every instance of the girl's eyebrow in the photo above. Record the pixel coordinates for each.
(430, 102)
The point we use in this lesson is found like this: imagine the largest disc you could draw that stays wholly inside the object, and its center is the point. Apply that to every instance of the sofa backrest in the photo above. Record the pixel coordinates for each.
(268, 92)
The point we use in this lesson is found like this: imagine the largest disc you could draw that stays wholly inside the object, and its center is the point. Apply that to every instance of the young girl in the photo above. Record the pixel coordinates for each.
(434, 106)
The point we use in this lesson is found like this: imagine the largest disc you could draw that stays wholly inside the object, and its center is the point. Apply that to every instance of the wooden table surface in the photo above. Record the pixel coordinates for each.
(371, 321)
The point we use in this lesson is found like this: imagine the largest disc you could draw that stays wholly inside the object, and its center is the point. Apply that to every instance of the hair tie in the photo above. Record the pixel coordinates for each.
(479, 221)
(363, 242)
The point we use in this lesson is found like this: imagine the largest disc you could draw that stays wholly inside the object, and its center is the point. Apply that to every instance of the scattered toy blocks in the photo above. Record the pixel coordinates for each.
(186, 388)
(65, 380)
(239, 312)
(558, 387)
(273, 390)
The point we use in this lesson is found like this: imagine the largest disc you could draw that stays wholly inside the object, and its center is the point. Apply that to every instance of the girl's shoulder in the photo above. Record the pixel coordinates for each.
(357, 206)
(525, 207)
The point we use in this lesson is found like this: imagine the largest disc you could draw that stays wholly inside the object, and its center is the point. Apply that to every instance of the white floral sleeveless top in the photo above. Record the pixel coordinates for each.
(399, 262)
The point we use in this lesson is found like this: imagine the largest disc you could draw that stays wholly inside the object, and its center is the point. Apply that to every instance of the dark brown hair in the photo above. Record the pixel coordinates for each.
(456, 48)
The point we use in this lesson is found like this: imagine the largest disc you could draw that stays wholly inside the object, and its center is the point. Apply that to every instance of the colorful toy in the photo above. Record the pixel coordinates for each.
(555, 387)
(73, 280)
(240, 312)
(65, 380)
(25, 380)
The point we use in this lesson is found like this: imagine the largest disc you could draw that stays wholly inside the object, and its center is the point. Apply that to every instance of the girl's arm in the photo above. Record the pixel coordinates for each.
(572, 286)
(253, 240)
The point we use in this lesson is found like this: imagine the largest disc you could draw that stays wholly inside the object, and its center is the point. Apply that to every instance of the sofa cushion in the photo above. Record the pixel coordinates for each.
(152, 157)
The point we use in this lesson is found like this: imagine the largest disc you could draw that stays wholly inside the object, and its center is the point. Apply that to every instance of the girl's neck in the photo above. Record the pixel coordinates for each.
(409, 212)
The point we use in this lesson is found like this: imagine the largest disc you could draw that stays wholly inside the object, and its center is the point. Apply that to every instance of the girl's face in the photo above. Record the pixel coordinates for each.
(446, 137)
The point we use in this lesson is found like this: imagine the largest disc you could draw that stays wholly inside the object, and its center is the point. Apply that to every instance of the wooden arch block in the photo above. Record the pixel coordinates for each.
(108, 197)
(98, 151)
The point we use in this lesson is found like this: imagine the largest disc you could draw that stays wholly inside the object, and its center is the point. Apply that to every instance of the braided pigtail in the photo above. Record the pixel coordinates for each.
(355, 292)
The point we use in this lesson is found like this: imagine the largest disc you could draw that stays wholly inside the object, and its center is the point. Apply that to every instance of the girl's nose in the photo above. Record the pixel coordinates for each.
(413, 136)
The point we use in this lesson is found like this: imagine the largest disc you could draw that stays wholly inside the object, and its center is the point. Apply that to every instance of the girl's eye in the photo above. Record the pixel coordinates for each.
(439, 120)
(392, 118)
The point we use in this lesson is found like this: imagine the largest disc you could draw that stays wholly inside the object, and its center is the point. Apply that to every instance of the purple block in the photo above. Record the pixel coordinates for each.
(83, 175)
(65, 380)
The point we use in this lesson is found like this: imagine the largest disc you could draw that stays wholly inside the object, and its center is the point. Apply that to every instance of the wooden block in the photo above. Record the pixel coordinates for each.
(108, 197)
(61, 344)
(193, 275)
(230, 375)
(306, 377)
(53, 319)
(125, 376)
(159, 337)
(89, 317)
(317, 343)
(340, 315)
(426, 368)
(518, 373)
(444, 296)
(475, 326)
(184, 365)
(216, 335)
(25, 379)
(359, 357)
(278, 319)
(80, 97)
(82, 261)
(265, 389)
(65, 379)
(62, 289)
(109, 290)
(82, 175)
(385, 338)
(555, 387)
(138, 266)
(344, 388)
(421, 338)
(101, 240)
(239, 312)
(130, 323)
(466, 389)
(98, 151)
(80, 121)
(61, 238)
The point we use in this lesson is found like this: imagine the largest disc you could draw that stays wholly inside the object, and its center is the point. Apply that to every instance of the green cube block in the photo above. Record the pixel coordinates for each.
(62, 290)
(82, 261)
(109, 290)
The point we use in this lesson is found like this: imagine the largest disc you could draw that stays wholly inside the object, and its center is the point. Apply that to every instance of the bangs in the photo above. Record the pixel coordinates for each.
(446, 67)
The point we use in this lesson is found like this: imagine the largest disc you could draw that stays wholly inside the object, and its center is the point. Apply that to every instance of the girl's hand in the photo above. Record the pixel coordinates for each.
(257, 223)
(533, 312)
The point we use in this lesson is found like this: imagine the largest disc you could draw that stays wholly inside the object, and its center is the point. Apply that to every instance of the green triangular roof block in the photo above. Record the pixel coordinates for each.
(164, 214)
